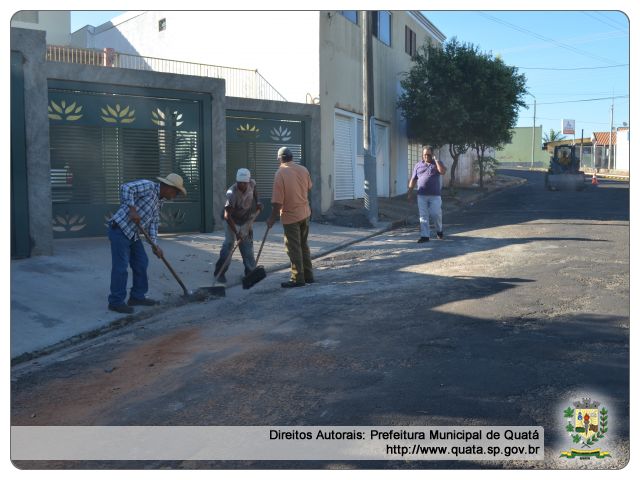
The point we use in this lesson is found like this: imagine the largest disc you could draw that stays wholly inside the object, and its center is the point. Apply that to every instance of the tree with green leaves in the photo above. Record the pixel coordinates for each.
(552, 136)
(451, 94)
(500, 92)
(435, 97)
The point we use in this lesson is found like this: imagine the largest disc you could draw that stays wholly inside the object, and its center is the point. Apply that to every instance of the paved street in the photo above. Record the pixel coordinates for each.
(522, 309)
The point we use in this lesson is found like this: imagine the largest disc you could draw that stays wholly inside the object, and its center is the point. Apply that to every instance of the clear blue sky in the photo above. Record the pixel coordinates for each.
(531, 40)
(555, 40)
(93, 17)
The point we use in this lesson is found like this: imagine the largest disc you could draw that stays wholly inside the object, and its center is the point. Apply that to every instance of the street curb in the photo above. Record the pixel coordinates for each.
(180, 301)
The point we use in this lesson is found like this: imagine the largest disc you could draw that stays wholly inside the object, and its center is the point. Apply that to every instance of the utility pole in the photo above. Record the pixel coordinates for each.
(609, 165)
(533, 131)
(368, 122)
(581, 142)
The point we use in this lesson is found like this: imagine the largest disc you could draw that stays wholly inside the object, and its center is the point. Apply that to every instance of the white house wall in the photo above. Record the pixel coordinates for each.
(281, 45)
(56, 24)
(622, 150)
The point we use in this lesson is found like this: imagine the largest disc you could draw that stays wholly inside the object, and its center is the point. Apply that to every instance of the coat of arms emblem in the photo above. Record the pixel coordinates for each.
(587, 423)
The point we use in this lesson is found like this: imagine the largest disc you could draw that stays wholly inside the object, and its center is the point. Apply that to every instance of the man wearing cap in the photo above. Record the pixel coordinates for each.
(242, 203)
(291, 187)
(140, 204)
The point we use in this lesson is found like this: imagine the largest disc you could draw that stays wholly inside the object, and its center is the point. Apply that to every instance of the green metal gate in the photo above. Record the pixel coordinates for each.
(102, 136)
(20, 239)
(253, 140)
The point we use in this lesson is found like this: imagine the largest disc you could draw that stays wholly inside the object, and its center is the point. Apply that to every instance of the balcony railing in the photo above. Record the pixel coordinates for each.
(239, 82)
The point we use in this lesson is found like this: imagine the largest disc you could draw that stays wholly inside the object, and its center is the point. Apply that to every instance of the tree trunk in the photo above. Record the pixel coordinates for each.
(480, 151)
(454, 166)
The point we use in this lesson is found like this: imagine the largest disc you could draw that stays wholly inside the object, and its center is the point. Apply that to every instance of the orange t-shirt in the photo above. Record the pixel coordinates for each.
(291, 186)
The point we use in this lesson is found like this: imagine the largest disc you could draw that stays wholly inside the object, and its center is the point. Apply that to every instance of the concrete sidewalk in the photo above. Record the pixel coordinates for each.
(61, 299)
(57, 298)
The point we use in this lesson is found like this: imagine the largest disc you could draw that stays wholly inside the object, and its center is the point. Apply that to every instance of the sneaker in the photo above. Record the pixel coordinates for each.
(291, 284)
(121, 308)
(423, 239)
(312, 280)
(440, 235)
(144, 302)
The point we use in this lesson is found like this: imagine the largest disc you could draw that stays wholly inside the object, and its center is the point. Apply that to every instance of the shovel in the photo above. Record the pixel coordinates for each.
(257, 273)
(220, 290)
(186, 293)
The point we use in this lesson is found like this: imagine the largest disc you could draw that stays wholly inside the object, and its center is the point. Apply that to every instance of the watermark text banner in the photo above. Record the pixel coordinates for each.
(277, 443)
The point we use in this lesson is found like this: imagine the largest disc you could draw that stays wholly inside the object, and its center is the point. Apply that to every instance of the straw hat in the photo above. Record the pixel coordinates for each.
(174, 180)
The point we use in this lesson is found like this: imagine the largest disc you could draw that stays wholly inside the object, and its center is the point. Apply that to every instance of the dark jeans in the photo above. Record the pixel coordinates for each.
(295, 242)
(124, 253)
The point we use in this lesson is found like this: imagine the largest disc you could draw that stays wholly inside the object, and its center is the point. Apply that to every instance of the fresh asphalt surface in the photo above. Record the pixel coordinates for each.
(522, 309)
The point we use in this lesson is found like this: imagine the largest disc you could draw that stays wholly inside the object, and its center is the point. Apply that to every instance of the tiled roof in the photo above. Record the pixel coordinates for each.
(602, 138)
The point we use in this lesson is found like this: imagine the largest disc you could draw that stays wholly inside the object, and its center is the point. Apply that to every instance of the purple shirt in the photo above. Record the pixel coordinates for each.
(428, 178)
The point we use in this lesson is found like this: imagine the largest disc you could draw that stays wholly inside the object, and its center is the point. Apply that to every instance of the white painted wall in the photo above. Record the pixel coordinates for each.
(622, 150)
(56, 24)
(281, 45)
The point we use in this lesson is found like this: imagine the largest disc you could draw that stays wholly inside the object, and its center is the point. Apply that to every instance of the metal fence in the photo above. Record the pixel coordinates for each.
(239, 82)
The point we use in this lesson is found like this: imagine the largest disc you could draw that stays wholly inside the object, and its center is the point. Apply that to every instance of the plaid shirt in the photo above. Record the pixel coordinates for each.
(145, 195)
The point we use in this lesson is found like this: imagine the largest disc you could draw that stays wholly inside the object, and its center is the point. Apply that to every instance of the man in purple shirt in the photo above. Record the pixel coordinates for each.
(426, 175)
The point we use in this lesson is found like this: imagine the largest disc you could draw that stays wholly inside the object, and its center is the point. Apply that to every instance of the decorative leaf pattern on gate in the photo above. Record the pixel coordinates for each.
(63, 111)
(118, 114)
(280, 134)
(248, 131)
(68, 223)
(166, 117)
(172, 218)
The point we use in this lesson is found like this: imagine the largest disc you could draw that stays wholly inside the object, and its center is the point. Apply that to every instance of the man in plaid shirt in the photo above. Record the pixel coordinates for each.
(140, 203)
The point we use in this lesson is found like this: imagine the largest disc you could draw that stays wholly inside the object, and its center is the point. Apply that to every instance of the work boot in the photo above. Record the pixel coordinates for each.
(292, 284)
(144, 302)
(121, 308)
(423, 239)
(440, 235)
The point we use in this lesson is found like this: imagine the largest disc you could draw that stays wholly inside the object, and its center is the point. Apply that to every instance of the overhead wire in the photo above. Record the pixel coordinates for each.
(546, 39)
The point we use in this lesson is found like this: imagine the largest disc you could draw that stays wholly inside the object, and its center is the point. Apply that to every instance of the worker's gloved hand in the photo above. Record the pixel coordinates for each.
(259, 206)
(157, 251)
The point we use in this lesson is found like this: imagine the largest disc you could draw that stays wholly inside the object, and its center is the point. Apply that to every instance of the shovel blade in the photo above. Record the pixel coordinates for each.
(212, 291)
(253, 277)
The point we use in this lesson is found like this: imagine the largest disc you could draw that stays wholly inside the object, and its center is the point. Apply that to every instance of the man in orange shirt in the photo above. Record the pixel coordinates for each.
(291, 187)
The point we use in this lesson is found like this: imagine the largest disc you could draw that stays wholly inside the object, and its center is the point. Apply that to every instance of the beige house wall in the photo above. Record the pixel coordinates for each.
(341, 88)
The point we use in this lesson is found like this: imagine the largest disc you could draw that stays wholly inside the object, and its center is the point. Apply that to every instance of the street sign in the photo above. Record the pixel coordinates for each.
(568, 127)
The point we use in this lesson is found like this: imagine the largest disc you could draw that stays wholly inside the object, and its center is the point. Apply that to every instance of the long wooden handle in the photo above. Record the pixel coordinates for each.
(262, 244)
(166, 262)
(228, 260)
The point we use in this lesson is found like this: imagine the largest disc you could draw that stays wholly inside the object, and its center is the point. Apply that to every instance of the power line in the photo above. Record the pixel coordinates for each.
(583, 100)
(606, 21)
(584, 122)
(575, 68)
(546, 39)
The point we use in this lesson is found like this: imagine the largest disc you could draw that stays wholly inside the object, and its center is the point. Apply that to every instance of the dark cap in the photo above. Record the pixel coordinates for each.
(285, 152)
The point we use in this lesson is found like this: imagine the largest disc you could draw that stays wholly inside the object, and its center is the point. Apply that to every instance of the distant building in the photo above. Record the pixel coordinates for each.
(518, 153)
(618, 157)
(56, 24)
